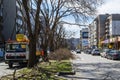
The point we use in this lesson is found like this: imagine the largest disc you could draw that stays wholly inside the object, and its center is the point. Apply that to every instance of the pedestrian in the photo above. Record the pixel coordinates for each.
(42, 53)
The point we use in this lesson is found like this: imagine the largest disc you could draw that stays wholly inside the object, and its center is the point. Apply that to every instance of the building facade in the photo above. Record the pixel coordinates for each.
(12, 20)
(105, 31)
(97, 28)
(84, 38)
(92, 35)
(1, 21)
(9, 19)
(112, 31)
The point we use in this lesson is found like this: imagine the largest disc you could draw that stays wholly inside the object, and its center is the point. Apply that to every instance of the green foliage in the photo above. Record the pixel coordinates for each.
(56, 66)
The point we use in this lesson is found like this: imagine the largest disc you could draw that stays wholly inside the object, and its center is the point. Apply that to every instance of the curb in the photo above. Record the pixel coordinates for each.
(66, 73)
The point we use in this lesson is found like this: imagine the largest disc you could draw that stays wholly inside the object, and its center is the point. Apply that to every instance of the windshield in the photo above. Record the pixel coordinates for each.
(15, 47)
(115, 51)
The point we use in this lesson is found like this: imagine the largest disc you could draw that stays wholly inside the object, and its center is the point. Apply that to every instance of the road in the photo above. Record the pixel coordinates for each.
(87, 67)
(5, 70)
(90, 67)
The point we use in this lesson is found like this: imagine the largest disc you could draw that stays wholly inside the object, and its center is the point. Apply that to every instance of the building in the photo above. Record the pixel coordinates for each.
(84, 38)
(112, 34)
(97, 30)
(104, 31)
(1, 21)
(9, 19)
(92, 35)
(20, 23)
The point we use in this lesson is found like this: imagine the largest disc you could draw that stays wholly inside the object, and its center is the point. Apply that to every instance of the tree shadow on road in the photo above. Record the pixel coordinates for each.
(79, 78)
(17, 67)
(99, 71)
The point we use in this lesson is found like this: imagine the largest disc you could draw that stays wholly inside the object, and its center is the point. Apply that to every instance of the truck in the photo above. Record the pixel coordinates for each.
(17, 52)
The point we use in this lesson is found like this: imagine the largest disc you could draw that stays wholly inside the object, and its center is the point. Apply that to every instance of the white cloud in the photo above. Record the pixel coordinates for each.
(73, 28)
(110, 7)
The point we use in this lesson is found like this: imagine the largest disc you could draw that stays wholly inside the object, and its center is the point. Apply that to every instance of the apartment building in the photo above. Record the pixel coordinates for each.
(84, 38)
(1, 21)
(20, 24)
(112, 28)
(92, 35)
(104, 31)
(11, 20)
(97, 30)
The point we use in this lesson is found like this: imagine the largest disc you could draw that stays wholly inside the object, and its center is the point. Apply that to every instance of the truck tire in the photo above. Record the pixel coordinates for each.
(10, 65)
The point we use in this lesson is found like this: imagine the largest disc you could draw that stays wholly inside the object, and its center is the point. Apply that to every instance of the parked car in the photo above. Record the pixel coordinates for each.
(88, 51)
(113, 54)
(104, 52)
(95, 52)
(78, 51)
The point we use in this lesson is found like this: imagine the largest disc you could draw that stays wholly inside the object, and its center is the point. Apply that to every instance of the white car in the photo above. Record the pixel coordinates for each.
(104, 52)
(78, 51)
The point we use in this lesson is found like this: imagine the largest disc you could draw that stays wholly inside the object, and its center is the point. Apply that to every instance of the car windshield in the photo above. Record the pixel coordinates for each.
(114, 51)
(15, 47)
(96, 50)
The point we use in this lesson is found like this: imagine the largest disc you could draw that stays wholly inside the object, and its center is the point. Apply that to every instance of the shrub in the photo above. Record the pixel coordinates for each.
(61, 54)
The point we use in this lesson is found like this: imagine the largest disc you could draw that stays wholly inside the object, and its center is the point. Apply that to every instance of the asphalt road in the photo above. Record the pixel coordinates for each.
(87, 67)
(5, 70)
(90, 67)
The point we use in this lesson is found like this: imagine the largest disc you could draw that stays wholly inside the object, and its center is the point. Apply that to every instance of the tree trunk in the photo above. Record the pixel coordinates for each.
(32, 53)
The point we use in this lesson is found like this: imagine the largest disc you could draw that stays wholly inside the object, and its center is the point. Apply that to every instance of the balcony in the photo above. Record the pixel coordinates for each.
(106, 27)
(107, 23)
(106, 31)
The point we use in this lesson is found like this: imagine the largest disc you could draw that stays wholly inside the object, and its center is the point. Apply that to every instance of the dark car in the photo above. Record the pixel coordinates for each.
(78, 51)
(95, 52)
(113, 54)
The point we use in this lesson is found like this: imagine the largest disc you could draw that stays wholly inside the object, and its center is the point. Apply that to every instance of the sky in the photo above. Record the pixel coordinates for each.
(109, 7)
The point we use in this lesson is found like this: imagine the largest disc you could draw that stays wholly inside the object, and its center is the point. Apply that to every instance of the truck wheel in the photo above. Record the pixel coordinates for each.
(10, 65)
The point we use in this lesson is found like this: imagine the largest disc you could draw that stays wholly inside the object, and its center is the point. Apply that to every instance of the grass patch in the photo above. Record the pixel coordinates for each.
(43, 71)
(56, 66)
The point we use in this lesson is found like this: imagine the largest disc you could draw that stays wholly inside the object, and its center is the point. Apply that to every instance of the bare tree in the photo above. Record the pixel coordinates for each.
(59, 37)
(31, 17)
(53, 12)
